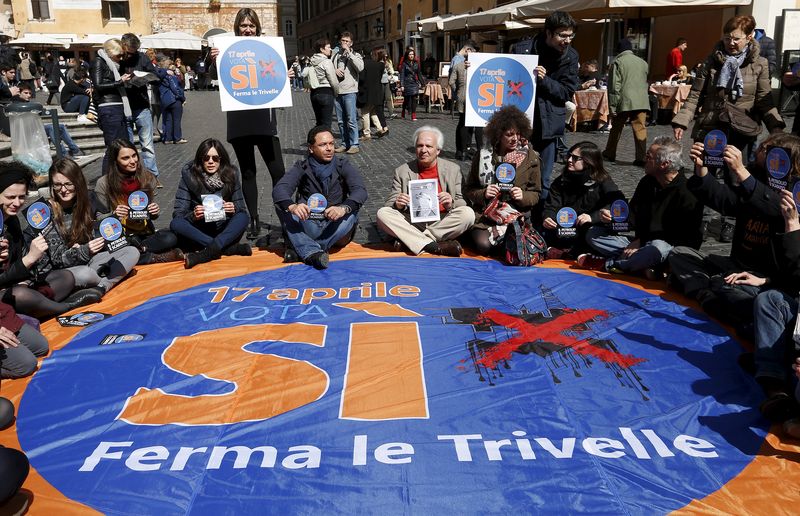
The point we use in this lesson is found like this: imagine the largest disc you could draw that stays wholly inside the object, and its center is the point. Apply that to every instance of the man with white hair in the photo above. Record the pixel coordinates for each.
(663, 214)
(456, 217)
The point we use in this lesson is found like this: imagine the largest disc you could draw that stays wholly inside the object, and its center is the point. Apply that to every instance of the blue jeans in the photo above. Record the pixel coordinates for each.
(604, 242)
(65, 138)
(774, 313)
(201, 234)
(547, 153)
(347, 113)
(112, 122)
(171, 117)
(312, 236)
(77, 104)
(143, 120)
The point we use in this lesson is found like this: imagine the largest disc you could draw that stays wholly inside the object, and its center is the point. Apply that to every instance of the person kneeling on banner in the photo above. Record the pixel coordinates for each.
(210, 215)
(585, 187)
(505, 182)
(318, 201)
(664, 214)
(435, 234)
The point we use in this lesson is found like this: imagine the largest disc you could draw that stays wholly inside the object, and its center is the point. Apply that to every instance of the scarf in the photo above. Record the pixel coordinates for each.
(322, 171)
(730, 75)
(129, 185)
(126, 106)
(213, 181)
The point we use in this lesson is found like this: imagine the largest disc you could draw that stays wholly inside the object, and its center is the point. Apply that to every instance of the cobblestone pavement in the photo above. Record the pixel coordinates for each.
(377, 159)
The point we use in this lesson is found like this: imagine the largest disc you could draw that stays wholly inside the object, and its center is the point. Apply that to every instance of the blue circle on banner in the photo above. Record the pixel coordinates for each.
(212, 202)
(110, 229)
(715, 142)
(566, 217)
(90, 317)
(352, 386)
(796, 194)
(505, 173)
(38, 215)
(778, 162)
(620, 210)
(252, 72)
(2, 221)
(138, 200)
(317, 203)
(498, 82)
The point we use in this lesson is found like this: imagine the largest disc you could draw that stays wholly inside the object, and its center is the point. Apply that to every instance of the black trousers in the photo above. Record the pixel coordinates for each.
(270, 149)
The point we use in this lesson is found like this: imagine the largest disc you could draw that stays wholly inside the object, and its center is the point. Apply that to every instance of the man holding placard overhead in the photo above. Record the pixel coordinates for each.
(318, 201)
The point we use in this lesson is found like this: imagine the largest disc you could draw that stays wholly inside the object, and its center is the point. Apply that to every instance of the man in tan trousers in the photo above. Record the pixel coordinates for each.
(456, 217)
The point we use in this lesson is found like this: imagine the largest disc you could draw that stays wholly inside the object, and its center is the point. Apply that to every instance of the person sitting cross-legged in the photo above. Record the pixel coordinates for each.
(663, 212)
(342, 186)
(436, 237)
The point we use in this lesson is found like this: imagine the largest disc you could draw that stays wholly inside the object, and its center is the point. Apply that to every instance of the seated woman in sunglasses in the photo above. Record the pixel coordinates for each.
(210, 214)
(586, 187)
(126, 175)
(73, 244)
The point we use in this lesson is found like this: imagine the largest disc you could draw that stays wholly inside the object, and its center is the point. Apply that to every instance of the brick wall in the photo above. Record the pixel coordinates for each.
(197, 17)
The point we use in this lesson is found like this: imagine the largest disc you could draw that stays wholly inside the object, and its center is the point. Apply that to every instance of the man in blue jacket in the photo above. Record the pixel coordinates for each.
(556, 82)
(310, 229)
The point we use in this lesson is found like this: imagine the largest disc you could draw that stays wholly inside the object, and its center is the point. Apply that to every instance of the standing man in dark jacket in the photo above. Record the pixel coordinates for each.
(370, 96)
(342, 187)
(768, 50)
(556, 82)
(141, 116)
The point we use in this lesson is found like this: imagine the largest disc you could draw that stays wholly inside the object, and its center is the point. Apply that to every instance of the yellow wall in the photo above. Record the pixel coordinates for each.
(82, 21)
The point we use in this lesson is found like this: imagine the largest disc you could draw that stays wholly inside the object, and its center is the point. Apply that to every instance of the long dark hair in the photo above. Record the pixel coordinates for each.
(80, 231)
(147, 182)
(246, 13)
(226, 171)
(592, 160)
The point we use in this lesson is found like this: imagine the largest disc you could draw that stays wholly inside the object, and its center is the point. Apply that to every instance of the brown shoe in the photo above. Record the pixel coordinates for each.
(449, 248)
(355, 149)
(340, 149)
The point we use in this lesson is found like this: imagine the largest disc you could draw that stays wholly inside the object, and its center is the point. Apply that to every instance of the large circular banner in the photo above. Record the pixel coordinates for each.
(498, 80)
(252, 73)
(394, 385)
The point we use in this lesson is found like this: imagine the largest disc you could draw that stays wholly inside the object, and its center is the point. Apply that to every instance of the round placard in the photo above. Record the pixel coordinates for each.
(505, 173)
(110, 229)
(715, 142)
(212, 202)
(566, 217)
(796, 194)
(252, 72)
(138, 200)
(778, 163)
(317, 203)
(38, 215)
(619, 211)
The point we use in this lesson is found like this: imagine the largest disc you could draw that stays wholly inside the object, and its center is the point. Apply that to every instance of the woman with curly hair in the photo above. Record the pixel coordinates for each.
(584, 186)
(506, 133)
(211, 173)
(125, 176)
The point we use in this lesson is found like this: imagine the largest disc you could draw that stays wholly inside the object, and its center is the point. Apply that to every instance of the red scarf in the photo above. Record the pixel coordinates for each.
(432, 172)
(129, 185)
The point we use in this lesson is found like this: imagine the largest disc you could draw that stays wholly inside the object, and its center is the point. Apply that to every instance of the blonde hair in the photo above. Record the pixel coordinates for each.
(113, 47)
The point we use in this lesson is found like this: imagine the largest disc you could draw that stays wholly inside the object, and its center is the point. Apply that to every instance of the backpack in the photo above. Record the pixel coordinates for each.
(310, 79)
(524, 245)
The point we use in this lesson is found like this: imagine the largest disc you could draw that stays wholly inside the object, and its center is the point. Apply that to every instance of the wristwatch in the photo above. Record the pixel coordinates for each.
(347, 209)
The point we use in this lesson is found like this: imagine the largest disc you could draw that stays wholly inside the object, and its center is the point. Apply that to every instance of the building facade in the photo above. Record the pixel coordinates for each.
(198, 16)
(329, 18)
(81, 19)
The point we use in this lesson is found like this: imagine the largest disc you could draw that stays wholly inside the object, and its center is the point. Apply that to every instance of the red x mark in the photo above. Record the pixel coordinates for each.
(266, 68)
(516, 88)
(550, 332)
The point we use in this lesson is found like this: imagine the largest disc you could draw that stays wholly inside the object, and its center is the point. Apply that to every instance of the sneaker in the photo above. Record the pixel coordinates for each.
(83, 120)
(414, 117)
(341, 148)
(182, 140)
(591, 262)
(355, 149)
(366, 138)
(4, 137)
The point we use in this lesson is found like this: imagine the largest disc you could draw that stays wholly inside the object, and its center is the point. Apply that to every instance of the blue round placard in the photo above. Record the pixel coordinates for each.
(38, 215)
(317, 203)
(499, 82)
(619, 211)
(110, 229)
(212, 202)
(778, 163)
(796, 194)
(566, 217)
(505, 173)
(252, 72)
(715, 142)
(138, 200)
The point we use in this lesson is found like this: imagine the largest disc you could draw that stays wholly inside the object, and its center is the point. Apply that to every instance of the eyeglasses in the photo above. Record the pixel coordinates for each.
(566, 36)
(574, 157)
(211, 157)
(732, 39)
(63, 186)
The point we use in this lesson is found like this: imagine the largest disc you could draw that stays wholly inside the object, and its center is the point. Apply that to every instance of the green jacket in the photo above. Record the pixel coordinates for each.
(627, 84)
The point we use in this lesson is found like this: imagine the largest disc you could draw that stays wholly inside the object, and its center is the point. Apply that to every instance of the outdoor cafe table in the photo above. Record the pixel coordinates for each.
(590, 105)
(671, 96)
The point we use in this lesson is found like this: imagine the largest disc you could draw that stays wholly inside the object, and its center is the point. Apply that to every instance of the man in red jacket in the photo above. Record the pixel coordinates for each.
(675, 57)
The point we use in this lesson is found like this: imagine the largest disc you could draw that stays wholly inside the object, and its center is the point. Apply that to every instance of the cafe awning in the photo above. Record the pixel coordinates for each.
(33, 38)
(175, 40)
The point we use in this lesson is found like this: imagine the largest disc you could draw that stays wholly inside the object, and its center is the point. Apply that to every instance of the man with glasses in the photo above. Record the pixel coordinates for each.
(348, 65)
(556, 82)
(136, 89)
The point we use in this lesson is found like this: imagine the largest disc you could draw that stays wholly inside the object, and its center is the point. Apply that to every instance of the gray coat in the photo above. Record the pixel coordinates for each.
(458, 85)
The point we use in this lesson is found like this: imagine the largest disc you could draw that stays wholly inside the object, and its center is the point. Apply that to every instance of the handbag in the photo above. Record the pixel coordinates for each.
(739, 121)
(500, 212)
(524, 245)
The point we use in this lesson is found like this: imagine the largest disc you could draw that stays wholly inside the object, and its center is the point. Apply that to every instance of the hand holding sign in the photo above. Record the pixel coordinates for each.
(138, 203)
(566, 219)
(213, 208)
(111, 231)
(316, 205)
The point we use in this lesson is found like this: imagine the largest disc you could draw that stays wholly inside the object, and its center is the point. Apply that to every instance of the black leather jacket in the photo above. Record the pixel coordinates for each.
(106, 89)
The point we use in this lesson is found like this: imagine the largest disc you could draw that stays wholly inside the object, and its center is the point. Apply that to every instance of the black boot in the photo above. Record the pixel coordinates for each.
(318, 260)
(174, 255)
(255, 228)
(82, 297)
(242, 249)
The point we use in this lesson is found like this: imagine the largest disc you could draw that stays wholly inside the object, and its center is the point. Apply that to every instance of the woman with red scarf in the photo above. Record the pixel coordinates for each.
(125, 176)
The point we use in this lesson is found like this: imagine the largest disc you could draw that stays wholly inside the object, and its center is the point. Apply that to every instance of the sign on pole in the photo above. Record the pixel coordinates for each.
(497, 80)
(252, 73)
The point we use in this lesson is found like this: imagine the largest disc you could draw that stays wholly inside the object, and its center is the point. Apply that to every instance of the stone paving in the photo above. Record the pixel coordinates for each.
(377, 159)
